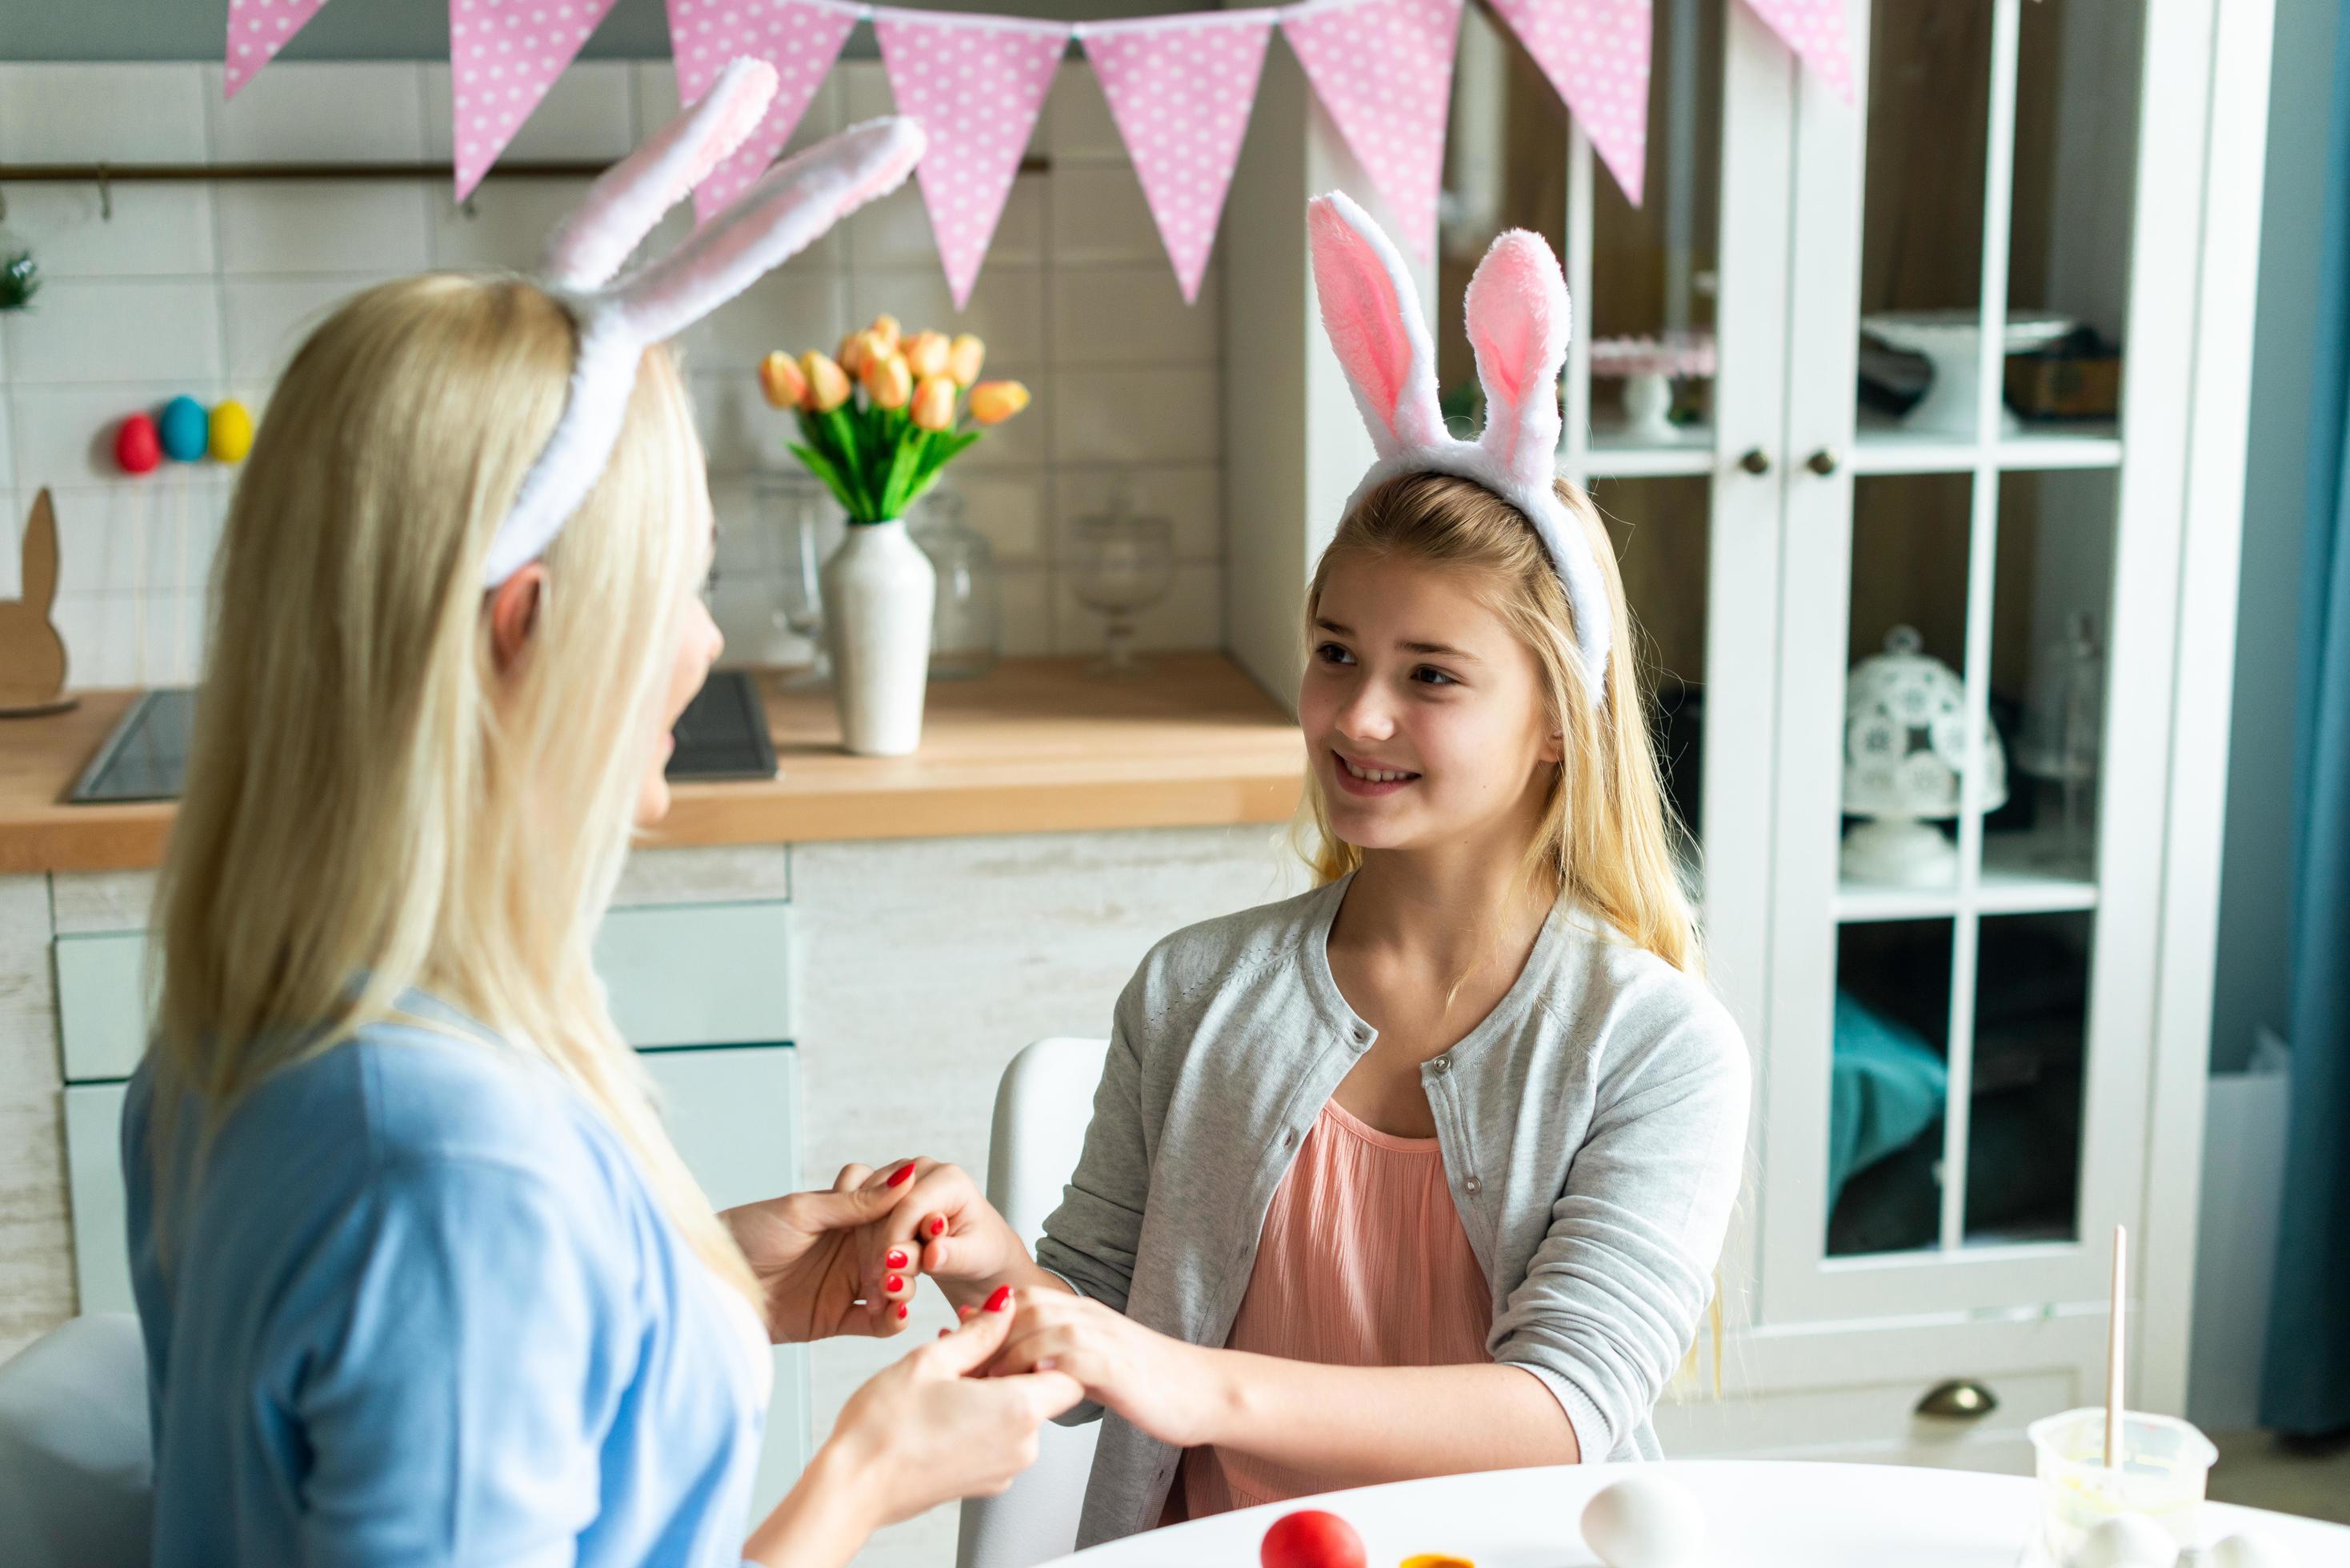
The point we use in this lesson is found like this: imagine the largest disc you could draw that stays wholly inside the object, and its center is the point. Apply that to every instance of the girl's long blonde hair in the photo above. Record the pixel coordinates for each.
(1606, 839)
(371, 805)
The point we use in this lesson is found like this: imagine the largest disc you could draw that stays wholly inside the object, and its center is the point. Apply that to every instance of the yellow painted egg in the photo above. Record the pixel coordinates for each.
(232, 435)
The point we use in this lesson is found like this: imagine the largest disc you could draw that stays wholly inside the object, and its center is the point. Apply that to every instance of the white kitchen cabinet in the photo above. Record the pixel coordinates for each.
(2098, 160)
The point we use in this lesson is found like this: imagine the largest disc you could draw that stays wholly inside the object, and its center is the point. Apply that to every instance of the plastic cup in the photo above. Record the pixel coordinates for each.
(2163, 1465)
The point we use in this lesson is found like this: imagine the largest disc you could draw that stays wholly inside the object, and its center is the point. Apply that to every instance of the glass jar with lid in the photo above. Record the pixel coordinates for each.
(967, 626)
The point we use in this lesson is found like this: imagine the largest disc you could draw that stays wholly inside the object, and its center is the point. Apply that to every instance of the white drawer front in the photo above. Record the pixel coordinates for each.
(708, 974)
(699, 974)
(103, 1004)
(734, 1117)
(1869, 1422)
(94, 1167)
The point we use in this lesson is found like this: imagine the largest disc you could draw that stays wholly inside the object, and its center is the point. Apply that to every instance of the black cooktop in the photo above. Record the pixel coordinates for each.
(721, 734)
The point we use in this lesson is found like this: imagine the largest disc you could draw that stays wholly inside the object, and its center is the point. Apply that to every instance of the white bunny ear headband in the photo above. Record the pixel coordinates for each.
(1518, 321)
(788, 208)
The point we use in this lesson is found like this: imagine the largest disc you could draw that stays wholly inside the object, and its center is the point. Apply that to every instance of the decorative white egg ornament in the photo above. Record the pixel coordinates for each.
(2252, 1549)
(1646, 1521)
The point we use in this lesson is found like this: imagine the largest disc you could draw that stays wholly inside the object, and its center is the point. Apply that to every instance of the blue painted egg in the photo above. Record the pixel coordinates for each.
(186, 429)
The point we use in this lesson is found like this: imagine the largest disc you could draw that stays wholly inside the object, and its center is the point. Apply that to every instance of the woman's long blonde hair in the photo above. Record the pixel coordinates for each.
(1607, 838)
(371, 805)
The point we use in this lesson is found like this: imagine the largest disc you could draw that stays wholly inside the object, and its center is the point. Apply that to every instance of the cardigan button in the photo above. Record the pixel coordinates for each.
(1473, 1186)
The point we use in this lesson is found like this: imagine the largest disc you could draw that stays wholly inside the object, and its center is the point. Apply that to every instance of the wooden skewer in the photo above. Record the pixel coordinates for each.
(2113, 1339)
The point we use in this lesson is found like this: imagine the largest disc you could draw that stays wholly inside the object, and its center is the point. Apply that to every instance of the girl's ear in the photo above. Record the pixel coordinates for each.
(1519, 324)
(1371, 312)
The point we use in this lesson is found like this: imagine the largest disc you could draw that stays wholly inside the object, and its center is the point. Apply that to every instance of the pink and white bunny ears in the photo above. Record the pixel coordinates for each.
(787, 209)
(1518, 321)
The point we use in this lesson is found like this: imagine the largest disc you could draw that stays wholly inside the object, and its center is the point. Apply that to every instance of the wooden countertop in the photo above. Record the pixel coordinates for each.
(1034, 748)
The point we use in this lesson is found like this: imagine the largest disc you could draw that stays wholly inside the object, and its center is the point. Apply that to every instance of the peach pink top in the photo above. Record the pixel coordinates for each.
(1363, 1263)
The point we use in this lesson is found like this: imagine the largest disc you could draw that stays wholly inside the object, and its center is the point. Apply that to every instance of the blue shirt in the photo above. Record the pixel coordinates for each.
(421, 1308)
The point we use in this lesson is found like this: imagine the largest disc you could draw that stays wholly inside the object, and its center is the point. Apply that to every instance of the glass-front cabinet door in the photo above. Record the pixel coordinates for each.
(1974, 660)
(1673, 394)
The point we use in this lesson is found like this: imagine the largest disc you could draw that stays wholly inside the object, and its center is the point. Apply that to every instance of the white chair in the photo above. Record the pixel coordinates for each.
(77, 1475)
(1041, 1111)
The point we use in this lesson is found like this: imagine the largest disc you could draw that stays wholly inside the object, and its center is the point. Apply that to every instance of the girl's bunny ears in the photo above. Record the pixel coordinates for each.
(788, 208)
(1518, 321)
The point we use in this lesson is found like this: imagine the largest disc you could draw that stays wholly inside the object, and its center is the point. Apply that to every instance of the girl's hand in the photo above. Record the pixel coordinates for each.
(941, 1226)
(1172, 1390)
(918, 1434)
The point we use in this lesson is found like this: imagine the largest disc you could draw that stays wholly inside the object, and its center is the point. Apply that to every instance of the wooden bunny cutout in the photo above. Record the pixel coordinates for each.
(32, 654)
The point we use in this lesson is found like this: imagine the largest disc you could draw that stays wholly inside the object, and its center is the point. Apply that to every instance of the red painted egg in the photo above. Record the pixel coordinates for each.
(1311, 1539)
(137, 446)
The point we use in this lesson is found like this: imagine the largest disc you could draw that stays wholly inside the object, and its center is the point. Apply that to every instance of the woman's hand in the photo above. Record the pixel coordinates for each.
(943, 1227)
(803, 1250)
(919, 1433)
(1174, 1391)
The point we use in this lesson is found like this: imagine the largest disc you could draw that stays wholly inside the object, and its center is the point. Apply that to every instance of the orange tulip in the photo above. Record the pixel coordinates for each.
(827, 383)
(934, 403)
(926, 354)
(885, 329)
(782, 382)
(993, 402)
(965, 354)
(887, 380)
(851, 353)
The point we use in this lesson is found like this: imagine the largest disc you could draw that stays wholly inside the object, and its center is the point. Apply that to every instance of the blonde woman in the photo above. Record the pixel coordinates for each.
(421, 1277)
(1427, 1169)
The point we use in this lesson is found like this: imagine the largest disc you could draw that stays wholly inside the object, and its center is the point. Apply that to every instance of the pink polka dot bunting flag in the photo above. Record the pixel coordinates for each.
(1383, 71)
(1814, 30)
(799, 39)
(257, 29)
(975, 86)
(1180, 92)
(1595, 53)
(503, 56)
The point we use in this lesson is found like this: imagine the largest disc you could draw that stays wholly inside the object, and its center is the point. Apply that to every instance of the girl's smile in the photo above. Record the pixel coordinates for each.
(1358, 778)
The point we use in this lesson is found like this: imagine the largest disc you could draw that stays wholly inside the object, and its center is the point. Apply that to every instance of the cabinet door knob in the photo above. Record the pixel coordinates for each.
(1822, 462)
(1756, 460)
(1960, 1399)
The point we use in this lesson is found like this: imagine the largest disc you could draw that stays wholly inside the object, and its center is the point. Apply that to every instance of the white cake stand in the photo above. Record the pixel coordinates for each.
(1952, 341)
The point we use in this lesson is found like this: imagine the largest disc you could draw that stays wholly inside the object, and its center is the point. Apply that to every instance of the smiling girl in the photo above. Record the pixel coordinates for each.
(1427, 1169)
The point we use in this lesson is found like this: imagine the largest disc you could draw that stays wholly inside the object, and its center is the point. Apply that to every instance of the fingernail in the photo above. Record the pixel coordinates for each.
(944, 1332)
(1001, 1299)
(903, 1311)
(938, 1228)
(905, 1170)
(965, 1312)
(895, 1284)
(897, 1259)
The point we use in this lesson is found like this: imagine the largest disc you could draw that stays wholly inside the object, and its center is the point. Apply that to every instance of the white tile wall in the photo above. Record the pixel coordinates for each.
(208, 289)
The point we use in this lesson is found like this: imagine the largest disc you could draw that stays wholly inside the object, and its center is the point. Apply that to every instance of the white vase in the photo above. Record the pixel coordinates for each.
(878, 590)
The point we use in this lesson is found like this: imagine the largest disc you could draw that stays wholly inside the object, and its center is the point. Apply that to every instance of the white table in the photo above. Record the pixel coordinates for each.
(1759, 1515)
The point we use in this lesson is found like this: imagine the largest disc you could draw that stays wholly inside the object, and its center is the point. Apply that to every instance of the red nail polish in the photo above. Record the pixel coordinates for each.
(965, 1312)
(897, 1259)
(902, 1312)
(944, 1332)
(894, 1284)
(1001, 1299)
(938, 1228)
(904, 1171)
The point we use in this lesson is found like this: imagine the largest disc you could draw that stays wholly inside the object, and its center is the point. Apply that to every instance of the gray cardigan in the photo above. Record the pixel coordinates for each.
(1592, 1128)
